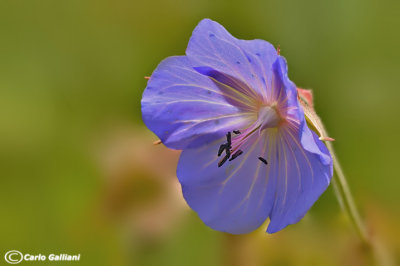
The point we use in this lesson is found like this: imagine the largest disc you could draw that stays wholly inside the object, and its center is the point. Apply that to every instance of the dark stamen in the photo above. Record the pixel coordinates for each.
(237, 132)
(221, 149)
(236, 154)
(223, 160)
(263, 160)
(228, 138)
(228, 151)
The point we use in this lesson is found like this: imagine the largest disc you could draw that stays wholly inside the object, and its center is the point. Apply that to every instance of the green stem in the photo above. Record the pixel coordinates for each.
(339, 180)
(345, 197)
(343, 193)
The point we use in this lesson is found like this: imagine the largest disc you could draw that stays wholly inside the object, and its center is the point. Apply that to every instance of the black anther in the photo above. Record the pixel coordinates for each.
(221, 149)
(236, 154)
(228, 138)
(263, 160)
(223, 160)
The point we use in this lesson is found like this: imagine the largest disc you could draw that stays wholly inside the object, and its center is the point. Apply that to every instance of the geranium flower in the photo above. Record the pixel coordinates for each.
(248, 153)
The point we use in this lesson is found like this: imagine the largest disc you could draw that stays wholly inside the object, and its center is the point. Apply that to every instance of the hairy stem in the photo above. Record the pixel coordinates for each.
(343, 193)
(345, 197)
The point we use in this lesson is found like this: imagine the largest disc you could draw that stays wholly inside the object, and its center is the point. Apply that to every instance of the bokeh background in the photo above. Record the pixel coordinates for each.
(79, 173)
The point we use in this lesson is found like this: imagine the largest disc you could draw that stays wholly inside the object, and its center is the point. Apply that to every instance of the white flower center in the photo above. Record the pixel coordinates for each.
(268, 117)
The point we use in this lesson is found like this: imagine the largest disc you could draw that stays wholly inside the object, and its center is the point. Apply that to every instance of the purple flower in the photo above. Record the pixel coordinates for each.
(248, 153)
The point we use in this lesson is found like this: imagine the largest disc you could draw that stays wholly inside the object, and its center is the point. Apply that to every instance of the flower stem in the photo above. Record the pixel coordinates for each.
(345, 197)
(339, 182)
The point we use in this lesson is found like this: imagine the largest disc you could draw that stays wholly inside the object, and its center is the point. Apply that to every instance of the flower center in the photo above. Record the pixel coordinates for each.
(268, 117)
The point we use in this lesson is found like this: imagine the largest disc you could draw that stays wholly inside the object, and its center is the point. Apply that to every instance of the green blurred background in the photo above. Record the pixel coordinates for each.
(79, 173)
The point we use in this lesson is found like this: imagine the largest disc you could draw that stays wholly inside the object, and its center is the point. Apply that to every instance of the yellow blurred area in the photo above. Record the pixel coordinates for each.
(79, 172)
